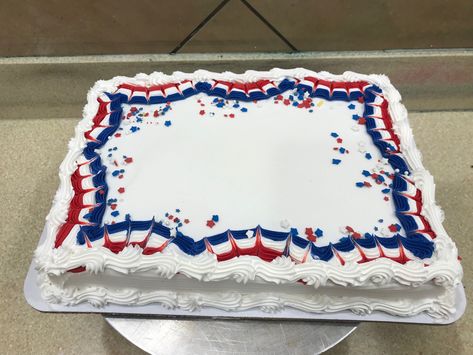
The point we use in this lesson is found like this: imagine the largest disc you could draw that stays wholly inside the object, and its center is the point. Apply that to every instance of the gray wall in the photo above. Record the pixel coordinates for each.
(57, 28)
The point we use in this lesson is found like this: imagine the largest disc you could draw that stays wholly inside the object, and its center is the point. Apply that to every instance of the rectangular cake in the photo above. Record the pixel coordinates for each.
(286, 188)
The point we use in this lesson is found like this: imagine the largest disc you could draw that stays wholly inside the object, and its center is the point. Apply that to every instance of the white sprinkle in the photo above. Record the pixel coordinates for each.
(250, 233)
(285, 224)
(172, 232)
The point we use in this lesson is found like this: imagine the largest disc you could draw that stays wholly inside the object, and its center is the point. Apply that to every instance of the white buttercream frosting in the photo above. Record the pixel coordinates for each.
(444, 268)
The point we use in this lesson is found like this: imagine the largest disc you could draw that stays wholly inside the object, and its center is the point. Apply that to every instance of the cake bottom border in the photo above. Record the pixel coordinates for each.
(32, 294)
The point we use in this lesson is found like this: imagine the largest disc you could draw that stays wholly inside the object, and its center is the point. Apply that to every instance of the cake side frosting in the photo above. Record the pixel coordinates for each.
(443, 267)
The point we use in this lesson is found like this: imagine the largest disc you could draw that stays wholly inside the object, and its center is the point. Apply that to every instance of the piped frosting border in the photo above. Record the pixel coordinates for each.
(382, 100)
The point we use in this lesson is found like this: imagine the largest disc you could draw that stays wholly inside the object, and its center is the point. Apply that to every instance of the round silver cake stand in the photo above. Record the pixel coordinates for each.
(204, 336)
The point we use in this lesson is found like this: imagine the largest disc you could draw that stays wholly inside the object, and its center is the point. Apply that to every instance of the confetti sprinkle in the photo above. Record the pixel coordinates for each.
(334, 135)
(115, 213)
(121, 190)
(351, 106)
(394, 228)
(319, 232)
(215, 218)
(336, 161)
(210, 223)
(249, 233)
(167, 123)
(368, 156)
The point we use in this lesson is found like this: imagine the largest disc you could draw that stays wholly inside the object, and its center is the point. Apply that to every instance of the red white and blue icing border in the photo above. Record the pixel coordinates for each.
(87, 198)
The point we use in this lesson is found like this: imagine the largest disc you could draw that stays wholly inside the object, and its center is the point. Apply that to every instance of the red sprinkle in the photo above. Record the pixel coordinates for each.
(121, 190)
(118, 135)
(186, 221)
(232, 115)
(339, 140)
(156, 113)
(356, 235)
(361, 120)
(202, 112)
(113, 206)
(129, 160)
(210, 223)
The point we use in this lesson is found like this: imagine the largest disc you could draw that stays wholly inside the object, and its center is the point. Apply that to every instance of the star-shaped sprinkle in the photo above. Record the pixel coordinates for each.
(210, 223)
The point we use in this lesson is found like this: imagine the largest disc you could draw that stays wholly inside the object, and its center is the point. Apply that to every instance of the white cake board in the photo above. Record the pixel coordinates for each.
(33, 297)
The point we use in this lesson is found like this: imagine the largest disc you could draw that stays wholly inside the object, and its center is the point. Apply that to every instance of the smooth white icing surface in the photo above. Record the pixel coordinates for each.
(443, 270)
(266, 165)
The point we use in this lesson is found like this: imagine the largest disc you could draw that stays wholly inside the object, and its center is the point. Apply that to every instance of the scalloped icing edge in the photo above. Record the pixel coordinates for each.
(444, 269)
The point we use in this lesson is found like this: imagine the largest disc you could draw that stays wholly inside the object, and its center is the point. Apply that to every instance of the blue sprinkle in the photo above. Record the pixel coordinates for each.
(351, 107)
(380, 178)
(166, 214)
(115, 148)
(355, 117)
(236, 105)
(134, 129)
(311, 110)
(334, 135)
(291, 97)
(366, 173)
(179, 224)
(215, 218)
(380, 220)
(215, 100)
(368, 156)
(336, 161)
(220, 104)
(127, 217)
(115, 172)
(115, 213)
(139, 120)
(141, 108)
(295, 104)
(319, 232)
(294, 231)
(244, 109)
(167, 123)
(360, 184)
(122, 170)
(178, 210)
(110, 155)
(376, 229)
(341, 150)
(385, 191)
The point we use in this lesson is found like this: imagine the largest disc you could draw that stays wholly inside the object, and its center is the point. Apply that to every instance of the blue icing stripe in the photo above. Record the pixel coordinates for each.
(185, 243)
(390, 243)
(141, 225)
(241, 234)
(368, 241)
(345, 244)
(408, 223)
(418, 245)
(218, 238)
(323, 253)
(273, 235)
(300, 242)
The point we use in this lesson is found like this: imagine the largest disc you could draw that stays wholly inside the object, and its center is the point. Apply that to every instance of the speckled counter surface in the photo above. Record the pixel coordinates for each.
(30, 153)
